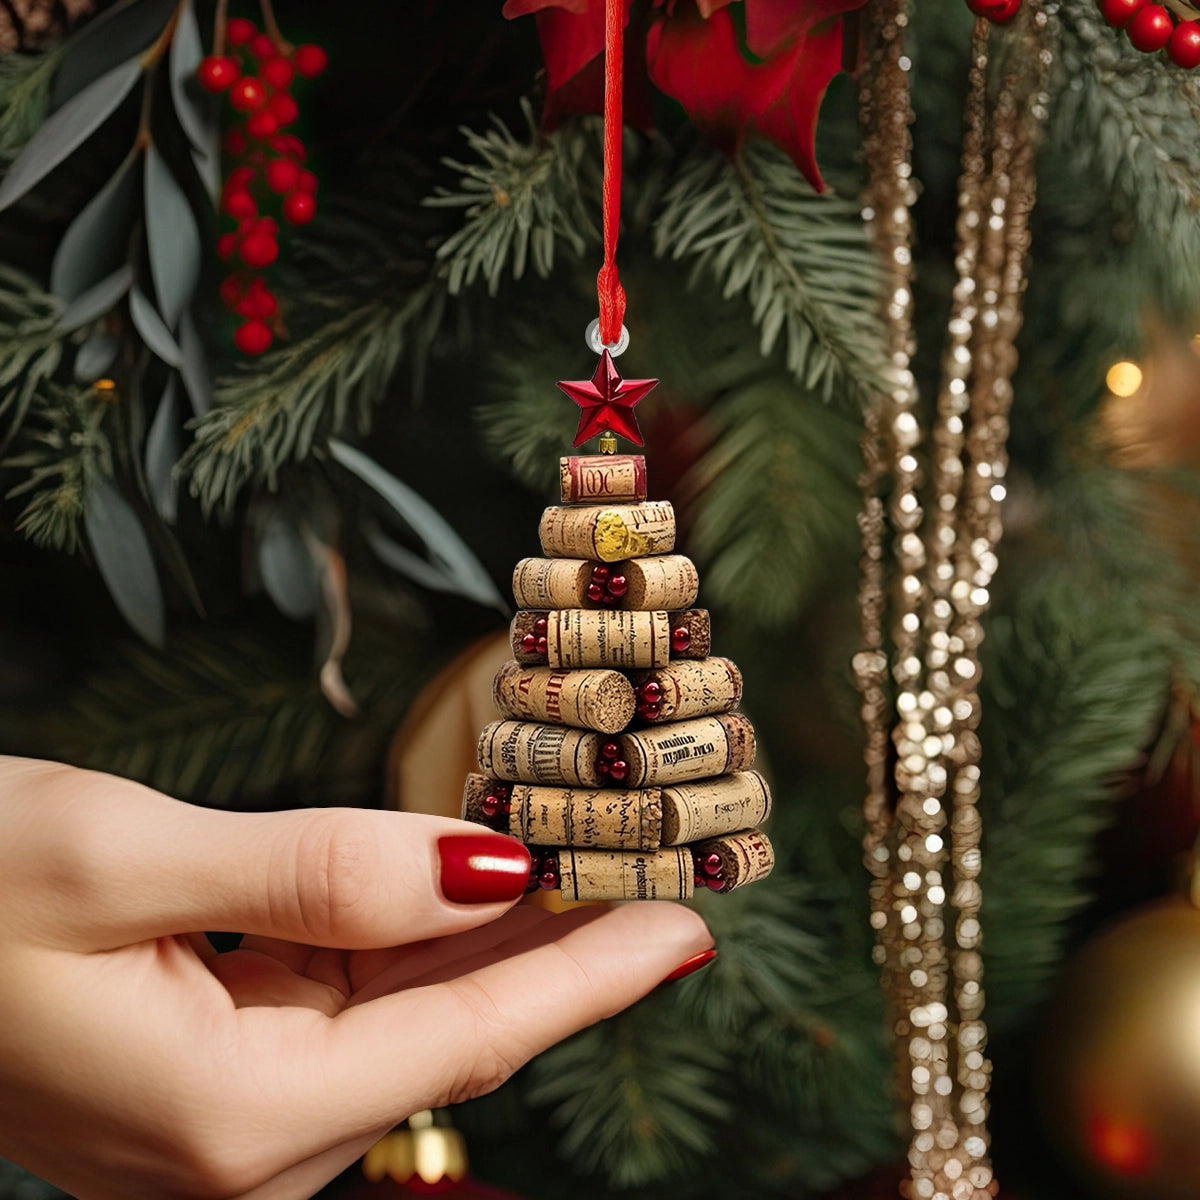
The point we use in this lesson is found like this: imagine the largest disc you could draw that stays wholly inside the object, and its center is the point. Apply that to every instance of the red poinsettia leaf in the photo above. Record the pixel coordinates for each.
(772, 24)
(522, 8)
(700, 64)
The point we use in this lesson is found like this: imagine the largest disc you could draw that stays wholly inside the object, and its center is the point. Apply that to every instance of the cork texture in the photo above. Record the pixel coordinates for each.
(612, 818)
(699, 628)
(627, 875)
(669, 581)
(610, 532)
(551, 582)
(745, 857)
(695, 687)
(588, 699)
(709, 807)
(474, 790)
(685, 750)
(602, 478)
(604, 638)
(526, 752)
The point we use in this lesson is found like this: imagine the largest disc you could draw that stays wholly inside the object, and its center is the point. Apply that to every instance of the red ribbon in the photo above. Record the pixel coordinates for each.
(608, 285)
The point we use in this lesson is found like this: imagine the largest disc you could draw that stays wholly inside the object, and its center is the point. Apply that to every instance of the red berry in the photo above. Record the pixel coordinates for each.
(261, 46)
(281, 175)
(1184, 46)
(235, 142)
(618, 769)
(230, 288)
(261, 125)
(239, 179)
(284, 108)
(1118, 13)
(253, 337)
(310, 60)
(996, 11)
(216, 73)
(239, 31)
(651, 691)
(307, 183)
(610, 750)
(599, 574)
(239, 204)
(1150, 28)
(267, 225)
(248, 94)
(681, 638)
(289, 144)
(528, 644)
(542, 645)
(258, 250)
(262, 299)
(226, 245)
(595, 593)
(277, 73)
(618, 585)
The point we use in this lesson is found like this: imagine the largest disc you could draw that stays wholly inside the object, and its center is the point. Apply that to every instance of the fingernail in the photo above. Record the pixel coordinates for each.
(482, 868)
(688, 966)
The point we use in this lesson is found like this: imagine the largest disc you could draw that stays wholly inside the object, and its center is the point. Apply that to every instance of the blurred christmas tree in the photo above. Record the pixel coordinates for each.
(208, 588)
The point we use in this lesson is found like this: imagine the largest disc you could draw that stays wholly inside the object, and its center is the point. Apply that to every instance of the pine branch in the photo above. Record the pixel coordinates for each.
(521, 199)
(30, 346)
(24, 97)
(801, 259)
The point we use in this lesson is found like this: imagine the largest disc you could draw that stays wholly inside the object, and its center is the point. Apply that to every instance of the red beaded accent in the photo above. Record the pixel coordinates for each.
(650, 691)
(1118, 13)
(618, 769)
(541, 645)
(599, 574)
(541, 626)
(618, 585)
(1151, 28)
(681, 638)
(610, 750)
(1184, 46)
(595, 593)
(528, 644)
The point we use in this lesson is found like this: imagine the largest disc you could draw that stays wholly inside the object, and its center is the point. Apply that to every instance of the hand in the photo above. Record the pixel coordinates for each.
(137, 1062)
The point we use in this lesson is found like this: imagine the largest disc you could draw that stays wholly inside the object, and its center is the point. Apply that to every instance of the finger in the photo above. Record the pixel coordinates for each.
(116, 862)
(255, 980)
(447, 1042)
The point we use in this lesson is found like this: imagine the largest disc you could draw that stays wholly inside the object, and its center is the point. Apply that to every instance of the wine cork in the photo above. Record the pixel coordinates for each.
(609, 533)
(627, 875)
(525, 752)
(682, 750)
(552, 582)
(610, 818)
(592, 699)
(475, 790)
(692, 688)
(669, 581)
(605, 638)
(745, 857)
(711, 806)
(602, 478)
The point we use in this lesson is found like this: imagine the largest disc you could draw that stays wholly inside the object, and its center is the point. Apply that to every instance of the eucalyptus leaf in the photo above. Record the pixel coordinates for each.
(458, 570)
(173, 238)
(94, 245)
(155, 334)
(95, 356)
(162, 453)
(96, 301)
(125, 29)
(196, 378)
(196, 109)
(67, 129)
(289, 574)
(123, 556)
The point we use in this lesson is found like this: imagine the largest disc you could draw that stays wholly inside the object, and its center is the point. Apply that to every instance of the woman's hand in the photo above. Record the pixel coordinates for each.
(384, 971)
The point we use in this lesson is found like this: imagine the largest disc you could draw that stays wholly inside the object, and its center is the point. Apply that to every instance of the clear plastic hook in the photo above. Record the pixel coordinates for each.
(592, 337)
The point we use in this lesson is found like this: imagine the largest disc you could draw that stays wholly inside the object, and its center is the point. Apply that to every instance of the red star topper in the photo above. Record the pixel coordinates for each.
(607, 401)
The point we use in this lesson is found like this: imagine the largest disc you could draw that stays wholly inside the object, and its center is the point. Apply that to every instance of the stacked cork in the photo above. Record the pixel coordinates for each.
(620, 759)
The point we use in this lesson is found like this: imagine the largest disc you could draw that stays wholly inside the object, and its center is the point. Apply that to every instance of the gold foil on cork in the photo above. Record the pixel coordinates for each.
(712, 806)
(695, 687)
(525, 752)
(626, 875)
(609, 533)
(551, 582)
(593, 699)
(602, 478)
(746, 857)
(684, 750)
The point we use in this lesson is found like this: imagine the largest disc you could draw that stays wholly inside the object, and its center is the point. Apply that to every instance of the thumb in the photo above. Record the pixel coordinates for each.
(118, 863)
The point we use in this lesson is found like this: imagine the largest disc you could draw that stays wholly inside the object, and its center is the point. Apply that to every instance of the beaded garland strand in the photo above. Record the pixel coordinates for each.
(924, 823)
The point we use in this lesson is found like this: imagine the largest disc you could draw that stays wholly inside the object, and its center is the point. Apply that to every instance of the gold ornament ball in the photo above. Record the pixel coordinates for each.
(1119, 1061)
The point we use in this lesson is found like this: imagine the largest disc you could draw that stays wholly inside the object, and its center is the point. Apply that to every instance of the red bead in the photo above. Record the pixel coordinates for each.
(261, 46)
(258, 250)
(715, 885)
(262, 300)
(277, 72)
(650, 712)
(542, 645)
(283, 108)
(261, 124)
(248, 94)
(1151, 28)
(541, 626)
(226, 245)
(267, 225)
(238, 31)
(252, 338)
(528, 644)
(239, 178)
(650, 690)
(548, 881)
(1118, 13)
(307, 182)
(610, 750)
(299, 208)
(711, 864)
(698, 880)
(681, 638)
(489, 806)
(602, 767)
(1184, 45)
(996, 11)
(618, 585)
(595, 593)
(234, 142)
(618, 769)
(281, 175)
(609, 601)
(310, 60)
(239, 205)
(216, 72)
(230, 288)
(291, 145)
(599, 574)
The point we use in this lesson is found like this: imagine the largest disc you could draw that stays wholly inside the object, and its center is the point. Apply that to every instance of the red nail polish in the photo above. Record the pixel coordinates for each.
(692, 964)
(482, 868)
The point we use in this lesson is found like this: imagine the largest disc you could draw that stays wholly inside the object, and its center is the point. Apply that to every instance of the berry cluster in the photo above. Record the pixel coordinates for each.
(257, 79)
(605, 587)
(543, 871)
(610, 764)
(649, 700)
(535, 642)
(710, 871)
(498, 801)
(1151, 27)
